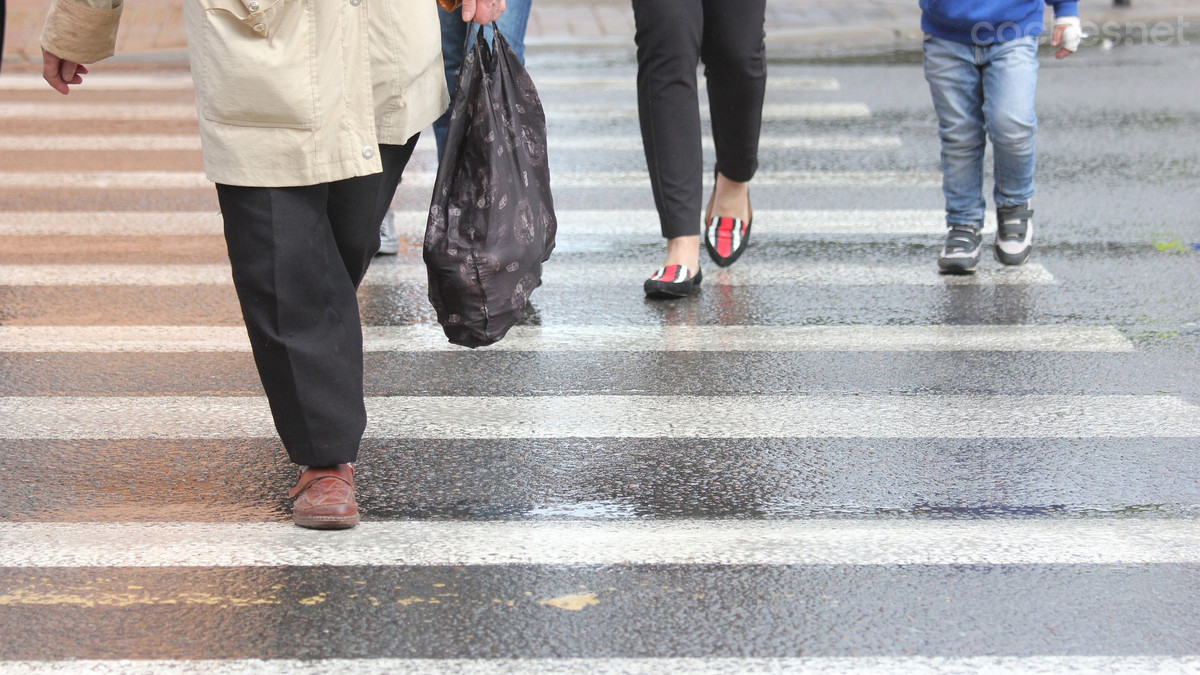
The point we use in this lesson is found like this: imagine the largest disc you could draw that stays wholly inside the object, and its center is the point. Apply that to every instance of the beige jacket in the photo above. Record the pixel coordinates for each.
(290, 92)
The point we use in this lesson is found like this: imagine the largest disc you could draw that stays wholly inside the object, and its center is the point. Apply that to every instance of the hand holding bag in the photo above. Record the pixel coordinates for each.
(491, 220)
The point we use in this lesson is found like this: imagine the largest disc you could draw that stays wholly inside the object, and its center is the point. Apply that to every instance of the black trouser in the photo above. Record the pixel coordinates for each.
(298, 255)
(673, 36)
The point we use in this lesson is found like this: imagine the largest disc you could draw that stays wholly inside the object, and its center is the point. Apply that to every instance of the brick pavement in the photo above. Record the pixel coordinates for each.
(153, 29)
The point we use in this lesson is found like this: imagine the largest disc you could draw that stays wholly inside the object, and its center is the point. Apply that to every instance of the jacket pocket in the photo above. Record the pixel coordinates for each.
(258, 59)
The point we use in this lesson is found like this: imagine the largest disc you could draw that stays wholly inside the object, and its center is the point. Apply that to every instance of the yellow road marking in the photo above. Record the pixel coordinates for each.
(573, 602)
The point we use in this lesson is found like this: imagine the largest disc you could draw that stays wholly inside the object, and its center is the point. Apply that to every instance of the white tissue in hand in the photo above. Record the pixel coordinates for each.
(1072, 32)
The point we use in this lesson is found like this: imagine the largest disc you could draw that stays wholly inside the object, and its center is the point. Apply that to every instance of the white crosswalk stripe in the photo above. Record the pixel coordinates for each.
(145, 112)
(106, 180)
(815, 274)
(813, 665)
(625, 416)
(73, 143)
(627, 143)
(90, 112)
(771, 112)
(429, 338)
(698, 542)
(113, 223)
(411, 223)
(423, 180)
(629, 83)
(159, 82)
(103, 82)
(772, 141)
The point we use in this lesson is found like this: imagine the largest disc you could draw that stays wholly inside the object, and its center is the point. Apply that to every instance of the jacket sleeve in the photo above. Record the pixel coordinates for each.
(83, 31)
(1066, 8)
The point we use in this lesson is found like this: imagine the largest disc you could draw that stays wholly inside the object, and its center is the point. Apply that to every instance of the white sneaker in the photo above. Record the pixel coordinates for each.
(1014, 234)
(389, 243)
(960, 253)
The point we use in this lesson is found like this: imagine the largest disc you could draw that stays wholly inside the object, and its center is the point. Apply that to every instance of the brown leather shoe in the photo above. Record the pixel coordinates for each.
(325, 498)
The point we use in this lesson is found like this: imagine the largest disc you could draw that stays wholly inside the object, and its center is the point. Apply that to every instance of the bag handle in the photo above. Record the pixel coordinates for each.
(478, 35)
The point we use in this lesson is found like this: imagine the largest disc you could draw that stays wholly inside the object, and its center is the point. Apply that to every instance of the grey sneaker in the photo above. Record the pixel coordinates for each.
(960, 254)
(389, 243)
(1014, 234)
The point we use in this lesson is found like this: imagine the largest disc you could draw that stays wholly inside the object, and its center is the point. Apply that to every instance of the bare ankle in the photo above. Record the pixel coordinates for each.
(683, 251)
(730, 199)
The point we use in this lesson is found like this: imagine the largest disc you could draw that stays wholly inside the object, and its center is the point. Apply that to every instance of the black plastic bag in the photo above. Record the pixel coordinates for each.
(491, 221)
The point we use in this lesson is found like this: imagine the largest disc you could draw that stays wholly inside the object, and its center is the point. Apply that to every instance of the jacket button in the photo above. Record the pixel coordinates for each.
(368, 152)
(355, 3)
(259, 27)
(253, 7)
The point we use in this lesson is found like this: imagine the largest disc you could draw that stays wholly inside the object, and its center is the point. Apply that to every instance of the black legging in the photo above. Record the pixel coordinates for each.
(673, 36)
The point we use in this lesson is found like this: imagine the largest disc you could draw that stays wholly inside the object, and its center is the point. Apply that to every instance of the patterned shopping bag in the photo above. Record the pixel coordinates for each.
(491, 220)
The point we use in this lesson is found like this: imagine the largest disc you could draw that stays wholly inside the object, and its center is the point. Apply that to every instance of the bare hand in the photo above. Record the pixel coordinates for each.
(60, 74)
(1056, 40)
(482, 12)
(1068, 35)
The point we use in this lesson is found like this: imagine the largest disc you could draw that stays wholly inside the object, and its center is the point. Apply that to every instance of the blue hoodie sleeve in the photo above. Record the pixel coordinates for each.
(1065, 8)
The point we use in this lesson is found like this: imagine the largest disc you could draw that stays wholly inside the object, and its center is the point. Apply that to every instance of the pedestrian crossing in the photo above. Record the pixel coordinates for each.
(582, 548)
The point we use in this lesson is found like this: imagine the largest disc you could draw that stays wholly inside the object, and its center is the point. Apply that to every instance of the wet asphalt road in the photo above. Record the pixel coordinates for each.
(1117, 253)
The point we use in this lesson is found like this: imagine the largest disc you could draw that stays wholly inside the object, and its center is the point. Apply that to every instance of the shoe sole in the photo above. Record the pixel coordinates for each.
(326, 522)
(663, 290)
(953, 267)
(668, 291)
(1010, 259)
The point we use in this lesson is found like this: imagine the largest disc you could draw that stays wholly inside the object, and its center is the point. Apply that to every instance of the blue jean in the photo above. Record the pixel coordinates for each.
(981, 92)
(454, 36)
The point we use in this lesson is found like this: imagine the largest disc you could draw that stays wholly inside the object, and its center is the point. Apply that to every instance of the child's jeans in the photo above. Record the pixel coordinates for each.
(980, 92)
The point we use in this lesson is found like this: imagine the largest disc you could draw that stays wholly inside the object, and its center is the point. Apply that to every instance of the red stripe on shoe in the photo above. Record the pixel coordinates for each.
(725, 237)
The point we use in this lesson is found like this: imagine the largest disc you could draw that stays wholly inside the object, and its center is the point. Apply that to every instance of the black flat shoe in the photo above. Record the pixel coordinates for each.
(673, 281)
